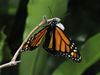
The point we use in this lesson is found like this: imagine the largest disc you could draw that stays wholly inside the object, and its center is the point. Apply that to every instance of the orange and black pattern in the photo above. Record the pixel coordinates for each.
(34, 42)
(56, 42)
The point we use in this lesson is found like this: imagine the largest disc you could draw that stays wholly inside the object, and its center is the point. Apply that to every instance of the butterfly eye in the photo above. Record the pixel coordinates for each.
(54, 22)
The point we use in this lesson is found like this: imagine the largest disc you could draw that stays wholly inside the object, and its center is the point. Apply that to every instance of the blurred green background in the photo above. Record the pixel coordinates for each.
(81, 19)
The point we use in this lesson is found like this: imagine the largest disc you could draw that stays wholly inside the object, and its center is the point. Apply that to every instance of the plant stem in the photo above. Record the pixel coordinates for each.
(13, 60)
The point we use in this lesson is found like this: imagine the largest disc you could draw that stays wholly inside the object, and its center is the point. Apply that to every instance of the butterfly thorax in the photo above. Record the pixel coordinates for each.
(53, 22)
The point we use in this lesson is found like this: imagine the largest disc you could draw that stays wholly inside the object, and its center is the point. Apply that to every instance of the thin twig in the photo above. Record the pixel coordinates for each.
(17, 53)
(11, 63)
(13, 60)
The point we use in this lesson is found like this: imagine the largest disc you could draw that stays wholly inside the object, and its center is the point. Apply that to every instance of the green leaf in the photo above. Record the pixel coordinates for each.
(98, 73)
(33, 63)
(90, 52)
(2, 40)
(39, 8)
(13, 6)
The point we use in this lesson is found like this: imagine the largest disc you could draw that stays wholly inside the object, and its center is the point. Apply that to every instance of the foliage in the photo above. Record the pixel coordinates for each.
(81, 19)
(90, 53)
(38, 58)
(2, 40)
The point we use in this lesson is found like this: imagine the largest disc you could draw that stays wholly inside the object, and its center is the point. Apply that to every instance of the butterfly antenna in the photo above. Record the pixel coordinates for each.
(50, 12)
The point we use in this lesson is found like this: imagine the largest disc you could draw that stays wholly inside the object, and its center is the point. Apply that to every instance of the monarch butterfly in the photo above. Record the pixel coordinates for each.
(56, 42)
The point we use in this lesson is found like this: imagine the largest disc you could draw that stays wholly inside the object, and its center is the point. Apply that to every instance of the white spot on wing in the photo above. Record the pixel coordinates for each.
(61, 26)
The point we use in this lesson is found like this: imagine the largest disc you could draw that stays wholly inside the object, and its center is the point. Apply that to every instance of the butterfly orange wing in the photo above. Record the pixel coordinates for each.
(35, 41)
(61, 45)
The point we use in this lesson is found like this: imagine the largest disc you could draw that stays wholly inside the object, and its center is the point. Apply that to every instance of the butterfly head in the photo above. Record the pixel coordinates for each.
(53, 21)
